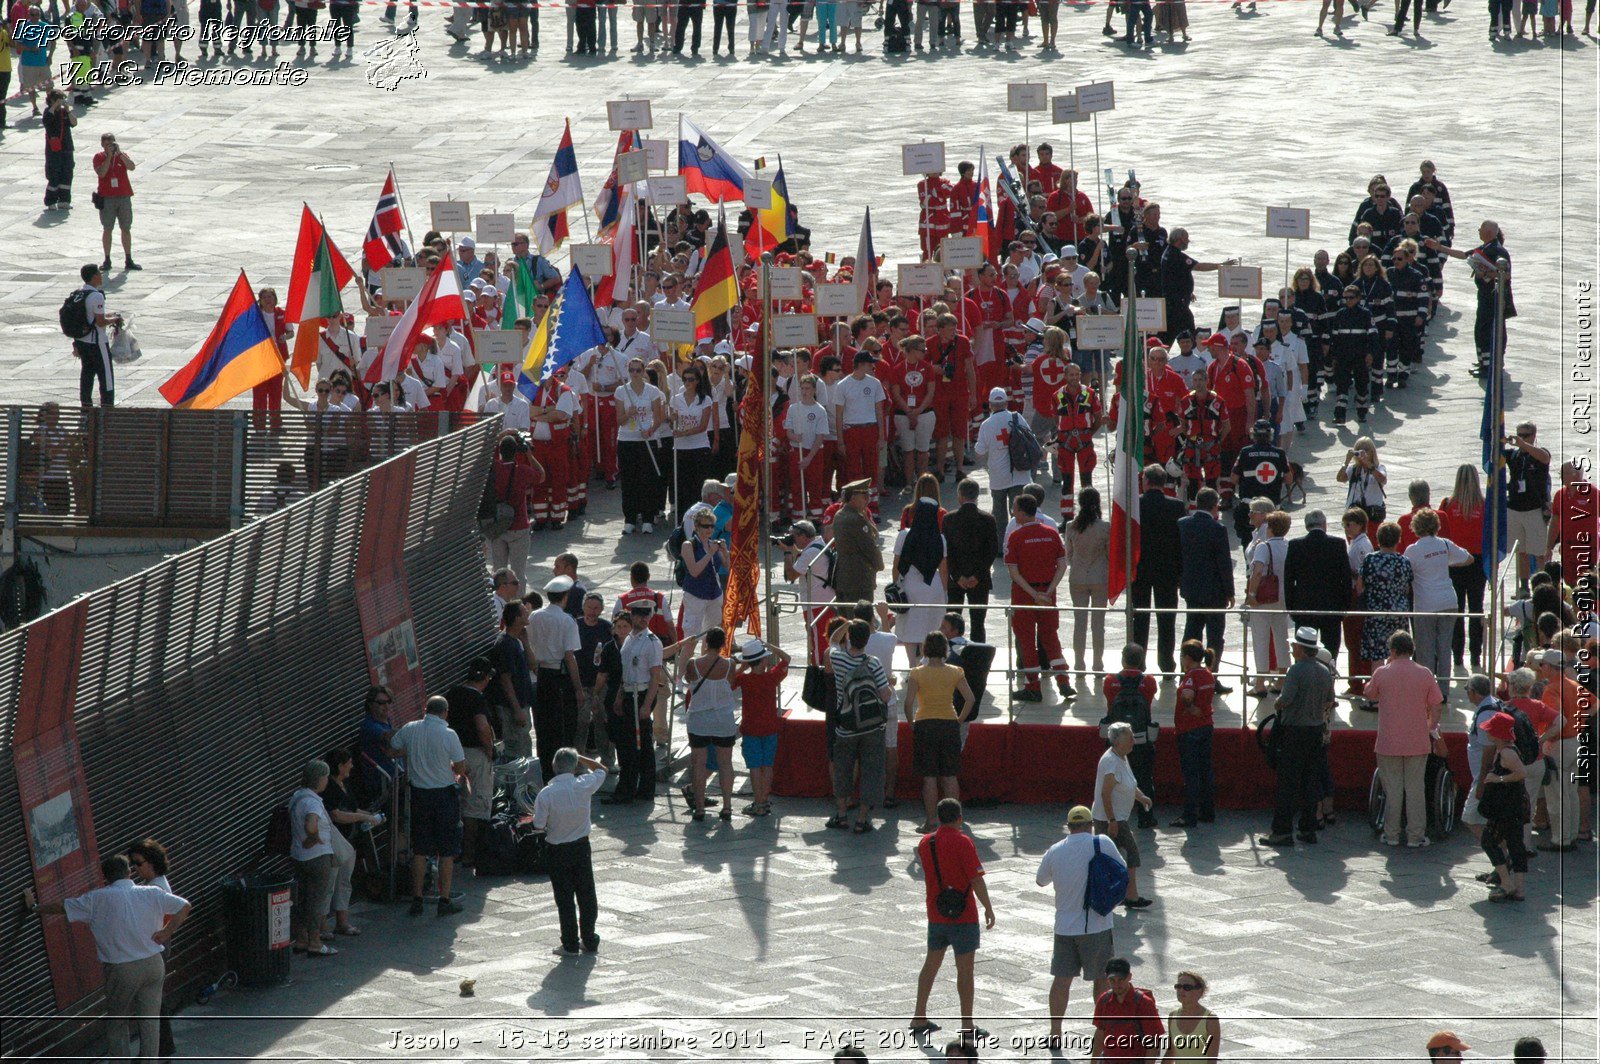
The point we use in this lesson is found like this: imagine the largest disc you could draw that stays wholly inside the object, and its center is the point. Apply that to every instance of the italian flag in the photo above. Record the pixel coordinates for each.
(519, 297)
(320, 305)
(1127, 459)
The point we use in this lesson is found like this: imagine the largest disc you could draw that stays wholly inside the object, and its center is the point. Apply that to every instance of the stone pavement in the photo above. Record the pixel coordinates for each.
(775, 935)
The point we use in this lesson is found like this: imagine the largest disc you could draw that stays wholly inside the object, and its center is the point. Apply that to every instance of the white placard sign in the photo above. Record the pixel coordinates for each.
(961, 252)
(632, 167)
(402, 282)
(1289, 223)
(1151, 315)
(1097, 96)
(1027, 96)
(499, 345)
(451, 216)
(924, 158)
(783, 282)
(592, 260)
(1065, 109)
(656, 152)
(794, 330)
(672, 325)
(1100, 332)
(379, 326)
(920, 279)
(758, 193)
(837, 300)
(495, 228)
(629, 114)
(667, 191)
(1239, 282)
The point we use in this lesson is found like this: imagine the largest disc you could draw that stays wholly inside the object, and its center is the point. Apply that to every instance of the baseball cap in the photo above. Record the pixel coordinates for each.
(1080, 814)
(559, 585)
(507, 377)
(805, 528)
(999, 395)
(466, 242)
(1553, 658)
(1447, 1040)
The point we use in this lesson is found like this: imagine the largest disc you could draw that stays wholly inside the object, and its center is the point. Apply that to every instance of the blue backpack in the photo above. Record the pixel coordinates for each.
(1107, 882)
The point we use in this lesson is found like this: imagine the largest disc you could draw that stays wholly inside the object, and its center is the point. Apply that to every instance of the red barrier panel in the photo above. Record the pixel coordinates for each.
(383, 597)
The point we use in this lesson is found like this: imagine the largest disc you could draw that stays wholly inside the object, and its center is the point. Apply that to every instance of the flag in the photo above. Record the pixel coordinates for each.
(561, 191)
(238, 355)
(741, 598)
(717, 291)
(770, 227)
(866, 262)
(519, 297)
(618, 285)
(607, 204)
(569, 328)
(383, 244)
(438, 302)
(302, 283)
(1492, 431)
(1127, 459)
(319, 303)
(981, 223)
(706, 168)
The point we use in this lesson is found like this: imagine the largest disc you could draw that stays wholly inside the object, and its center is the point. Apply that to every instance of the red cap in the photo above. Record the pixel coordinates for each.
(1500, 727)
(830, 512)
(1217, 342)
(508, 377)
(1153, 342)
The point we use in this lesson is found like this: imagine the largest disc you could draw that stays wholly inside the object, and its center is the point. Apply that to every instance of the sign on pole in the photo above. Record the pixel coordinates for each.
(962, 252)
(784, 282)
(1150, 315)
(1239, 282)
(495, 228)
(673, 325)
(1065, 109)
(1096, 97)
(451, 216)
(1027, 96)
(633, 167)
(667, 191)
(498, 345)
(758, 193)
(924, 158)
(656, 152)
(1100, 332)
(920, 279)
(629, 114)
(1289, 223)
(379, 326)
(837, 300)
(402, 282)
(794, 330)
(592, 260)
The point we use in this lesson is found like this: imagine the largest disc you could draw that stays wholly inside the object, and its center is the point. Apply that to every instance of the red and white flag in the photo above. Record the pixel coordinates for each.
(617, 288)
(438, 302)
(383, 244)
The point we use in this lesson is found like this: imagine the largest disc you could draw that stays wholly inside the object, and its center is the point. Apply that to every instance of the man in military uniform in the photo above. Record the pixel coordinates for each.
(1261, 471)
(1412, 298)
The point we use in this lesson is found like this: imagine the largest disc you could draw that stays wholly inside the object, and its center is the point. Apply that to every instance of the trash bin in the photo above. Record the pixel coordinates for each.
(255, 926)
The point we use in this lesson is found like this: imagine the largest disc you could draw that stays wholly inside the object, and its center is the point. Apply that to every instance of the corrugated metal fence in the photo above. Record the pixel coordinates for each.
(205, 684)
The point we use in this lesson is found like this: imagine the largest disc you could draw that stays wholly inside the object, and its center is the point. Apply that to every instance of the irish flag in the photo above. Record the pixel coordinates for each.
(320, 304)
(1127, 459)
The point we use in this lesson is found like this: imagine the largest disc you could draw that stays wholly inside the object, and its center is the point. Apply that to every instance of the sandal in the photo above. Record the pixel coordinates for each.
(861, 827)
(320, 951)
(347, 929)
(727, 812)
(1503, 895)
(698, 814)
(838, 822)
(764, 809)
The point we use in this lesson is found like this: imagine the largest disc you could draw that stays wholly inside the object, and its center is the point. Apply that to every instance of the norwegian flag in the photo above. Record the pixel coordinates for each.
(383, 244)
(608, 205)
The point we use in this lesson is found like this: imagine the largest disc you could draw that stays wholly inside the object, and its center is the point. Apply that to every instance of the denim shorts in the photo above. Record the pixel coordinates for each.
(963, 938)
(760, 751)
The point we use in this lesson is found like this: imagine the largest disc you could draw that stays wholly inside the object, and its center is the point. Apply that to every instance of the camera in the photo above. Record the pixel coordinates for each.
(786, 541)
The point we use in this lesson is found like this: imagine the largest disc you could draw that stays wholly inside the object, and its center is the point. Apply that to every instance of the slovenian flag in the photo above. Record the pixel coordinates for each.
(238, 355)
(561, 191)
(706, 167)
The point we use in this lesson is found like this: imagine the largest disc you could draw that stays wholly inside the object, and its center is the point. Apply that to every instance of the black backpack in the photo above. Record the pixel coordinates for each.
(861, 710)
(280, 833)
(1022, 446)
(674, 549)
(1524, 737)
(1129, 707)
(497, 849)
(74, 315)
(22, 595)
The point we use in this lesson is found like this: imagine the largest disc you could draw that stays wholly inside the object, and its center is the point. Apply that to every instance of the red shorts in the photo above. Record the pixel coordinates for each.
(950, 412)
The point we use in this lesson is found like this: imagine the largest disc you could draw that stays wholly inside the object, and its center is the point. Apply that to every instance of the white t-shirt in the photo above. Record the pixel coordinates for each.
(337, 339)
(996, 454)
(1431, 587)
(567, 403)
(639, 345)
(123, 916)
(636, 411)
(685, 415)
(1270, 553)
(94, 305)
(514, 414)
(881, 645)
(808, 424)
(812, 565)
(307, 802)
(1066, 866)
(414, 393)
(826, 399)
(455, 355)
(605, 367)
(1290, 351)
(1122, 791)
(860, 400)
(1358, 550)
(1188, 365)
(1363, 486)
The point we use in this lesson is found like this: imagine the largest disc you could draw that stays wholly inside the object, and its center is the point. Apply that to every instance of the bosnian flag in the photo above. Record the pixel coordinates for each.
(1127, 458)
(981, 217)
(561, 191)
(383, 244)
(607, 204)
(438, 302)
(706, 167)
(617, 286)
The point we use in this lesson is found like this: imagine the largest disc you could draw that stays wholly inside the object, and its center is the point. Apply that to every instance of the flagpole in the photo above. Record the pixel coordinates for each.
(771, 633)
(1130, 344)
(1494, 444)
(404, 217)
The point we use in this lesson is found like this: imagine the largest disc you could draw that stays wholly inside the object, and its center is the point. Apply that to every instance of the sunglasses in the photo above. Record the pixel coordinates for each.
(1186, 986)
(382, 701)
(324, 391)
(699, 525)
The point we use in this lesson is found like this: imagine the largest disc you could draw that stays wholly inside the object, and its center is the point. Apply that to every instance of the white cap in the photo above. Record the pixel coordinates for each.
(723, 348)
(559, 585)
(466, 242)
(999, 395)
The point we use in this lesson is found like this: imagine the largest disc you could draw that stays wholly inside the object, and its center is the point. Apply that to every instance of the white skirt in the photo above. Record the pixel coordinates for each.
(927, 600)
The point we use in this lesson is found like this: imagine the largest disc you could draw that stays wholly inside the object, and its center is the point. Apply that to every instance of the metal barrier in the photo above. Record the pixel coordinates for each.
(206, 682)
(70, 470)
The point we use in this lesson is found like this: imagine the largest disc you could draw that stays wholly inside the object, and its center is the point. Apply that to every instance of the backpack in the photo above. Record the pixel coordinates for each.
(1023, 447)
(1129, 707)
(1107, 882)
(74, 314)
(280, 834)
(1524, 737)
(22, 595)
(674, 549)
(497, 852)
(862, 709)
(495, 515)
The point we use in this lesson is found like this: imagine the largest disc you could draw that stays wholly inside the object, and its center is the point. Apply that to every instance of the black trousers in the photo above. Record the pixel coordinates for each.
(572, 881)
(1469, 581)
(58, 167)
(1166, 597)
(1483, 330)
(94, 364)
(1299, 747)
(1330, 629)
(897, 13)
(555, 715)
(1197, 621)
(1142, 759)
(1179, 319)
(975, 598)
(689, 15)
(722, 18)
(1400, 14)
(631, 731)
(584, 20)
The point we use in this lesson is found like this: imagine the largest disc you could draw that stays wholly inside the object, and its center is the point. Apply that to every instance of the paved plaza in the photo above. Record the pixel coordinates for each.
(778, 934)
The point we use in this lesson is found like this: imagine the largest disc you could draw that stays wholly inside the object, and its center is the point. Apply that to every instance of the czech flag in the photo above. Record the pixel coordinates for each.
(238, 355)
(706, 168)
(771, 225)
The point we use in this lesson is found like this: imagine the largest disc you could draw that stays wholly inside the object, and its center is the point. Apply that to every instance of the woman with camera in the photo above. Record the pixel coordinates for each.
(1367, 478)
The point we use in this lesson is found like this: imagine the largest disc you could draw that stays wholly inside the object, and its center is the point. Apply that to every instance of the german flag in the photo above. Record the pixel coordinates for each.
(717, 292)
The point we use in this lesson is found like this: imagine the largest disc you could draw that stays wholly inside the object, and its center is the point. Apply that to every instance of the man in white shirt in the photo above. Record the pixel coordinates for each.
(561, 811)
(994, 438)
(672, 293)
(859, 406)
(434, 761)
(93, 348)
(643, 677)
(131, 925)
(606, 369)
(1082, 936)
(634, 342)
(1069, 263)
(553, 642)
(1185, 359)
(512, 406)
(806, 563)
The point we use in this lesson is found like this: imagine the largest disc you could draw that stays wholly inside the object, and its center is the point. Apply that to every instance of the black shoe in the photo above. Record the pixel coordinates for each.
(1222, 689)
(1285, 840)
(616, 799)
(1027, 694)
(1147, 822)
(416, 907)
(1309, 837)
(1137, 903)
(448, 907)
(593, 946)
(1184, 822)
(129, 264)
(105, 267)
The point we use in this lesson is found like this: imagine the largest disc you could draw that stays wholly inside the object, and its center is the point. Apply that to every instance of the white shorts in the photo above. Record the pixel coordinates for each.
(891, 734)
(914, 435)
(700, 614)
(1526, 531)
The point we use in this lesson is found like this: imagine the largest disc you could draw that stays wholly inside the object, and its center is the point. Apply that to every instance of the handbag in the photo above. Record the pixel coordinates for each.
(1268, 588)
(895, 596)
(98, 200)
(949, 903)
(817, 691)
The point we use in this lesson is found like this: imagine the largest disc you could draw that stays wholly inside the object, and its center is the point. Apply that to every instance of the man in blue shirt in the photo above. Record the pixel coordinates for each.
(546, 278)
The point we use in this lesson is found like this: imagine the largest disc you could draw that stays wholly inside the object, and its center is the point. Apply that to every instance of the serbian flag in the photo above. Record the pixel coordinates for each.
(717, 292)
(383, 244)
(981, 224)
(741, 603)
(607, 206)
(866, 269)
(438, 302)
(1127, 458)
(706, 167)
(617, 286)
(238, 355)
(561, 191)
(303, 282)
(319, 304)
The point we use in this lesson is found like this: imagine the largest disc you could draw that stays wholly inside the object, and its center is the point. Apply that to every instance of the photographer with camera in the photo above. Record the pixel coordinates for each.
(1367, 478)
(807, 562)
(114, 199)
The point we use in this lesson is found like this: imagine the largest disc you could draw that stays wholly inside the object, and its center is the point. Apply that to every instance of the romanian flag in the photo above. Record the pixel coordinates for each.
(741, 604)
(771, 225)
(238, 355)
(717, 291)
(706, 167)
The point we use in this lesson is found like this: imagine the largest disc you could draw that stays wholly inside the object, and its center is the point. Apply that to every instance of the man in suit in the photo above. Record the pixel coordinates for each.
(1206, 581)
(1160, 565)
(973, 547)
(1316, 576)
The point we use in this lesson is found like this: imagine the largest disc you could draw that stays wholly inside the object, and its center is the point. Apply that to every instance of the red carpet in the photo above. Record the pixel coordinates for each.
(1055, 763)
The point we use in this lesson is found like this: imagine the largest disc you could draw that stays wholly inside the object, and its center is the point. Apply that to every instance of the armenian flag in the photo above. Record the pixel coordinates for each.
(706, 167)
(238, 355)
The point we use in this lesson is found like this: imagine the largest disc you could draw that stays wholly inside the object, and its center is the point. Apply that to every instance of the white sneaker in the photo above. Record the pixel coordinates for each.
(1391, 842)
(627, 529)
(647, 527)
(1420, 844)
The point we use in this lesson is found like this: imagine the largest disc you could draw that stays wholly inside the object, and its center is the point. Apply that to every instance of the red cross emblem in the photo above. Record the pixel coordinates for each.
(1005, 437)
(1266, 473)
(914, 378)
(1052, 372)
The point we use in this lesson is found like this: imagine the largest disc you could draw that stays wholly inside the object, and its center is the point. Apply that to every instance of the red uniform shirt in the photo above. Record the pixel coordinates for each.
(1575, 524)
(1049, 374)
(1076, 418)
(1113, 683)
(1016, 336)
(957, 866)
(1036, 550)
(1229, 377)
(961, 194)
(759, 715)
(1460, 528)
(950, 363)
(1130, 1029)
(1067, 212)
(114, 182)
(1408, 537)
(1203, 683)
(933, 204)
(1049, 175)
(915, 383)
